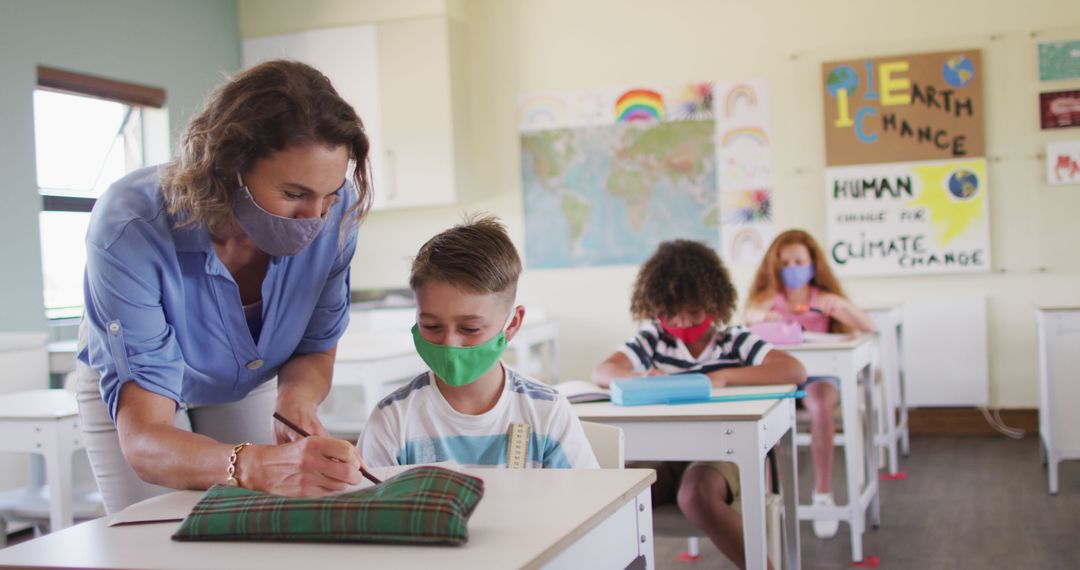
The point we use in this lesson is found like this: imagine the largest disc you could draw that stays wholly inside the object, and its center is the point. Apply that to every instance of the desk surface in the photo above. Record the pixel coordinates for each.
(38, 404)
(881, 307)
(709, 411)
(525, 519)
(854, 341)
(1057, 306)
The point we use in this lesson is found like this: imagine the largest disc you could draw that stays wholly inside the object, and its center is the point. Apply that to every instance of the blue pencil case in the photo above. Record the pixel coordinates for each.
(678, 389)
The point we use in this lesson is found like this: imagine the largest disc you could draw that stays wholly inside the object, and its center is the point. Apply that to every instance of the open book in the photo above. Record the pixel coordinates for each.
(578, 391)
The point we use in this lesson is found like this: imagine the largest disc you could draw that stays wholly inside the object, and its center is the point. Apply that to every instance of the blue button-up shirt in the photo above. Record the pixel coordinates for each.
(165, 313)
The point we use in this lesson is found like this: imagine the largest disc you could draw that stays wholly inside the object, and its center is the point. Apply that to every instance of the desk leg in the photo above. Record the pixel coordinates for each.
(751, 462)
(58, 449)
(891, 369)
(905, 434)
(871, 454)
(1052, 469)
(645, 528)
(787, 457)
(853, 441)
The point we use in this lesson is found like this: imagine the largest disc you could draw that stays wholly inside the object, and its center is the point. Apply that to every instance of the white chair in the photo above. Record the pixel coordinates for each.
(32, 505)
(607, 444)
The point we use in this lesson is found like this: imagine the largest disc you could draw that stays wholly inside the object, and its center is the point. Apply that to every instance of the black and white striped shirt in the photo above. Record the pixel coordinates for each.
(731, 347)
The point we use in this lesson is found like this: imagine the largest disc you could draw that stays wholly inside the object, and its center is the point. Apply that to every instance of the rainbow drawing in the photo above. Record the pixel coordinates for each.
(741, 93)
(746, 244)
(540, 111)
(639, 105)
(755, 135)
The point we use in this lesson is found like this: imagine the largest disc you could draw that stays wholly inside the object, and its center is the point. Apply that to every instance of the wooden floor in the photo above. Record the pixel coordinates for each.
(968, 502)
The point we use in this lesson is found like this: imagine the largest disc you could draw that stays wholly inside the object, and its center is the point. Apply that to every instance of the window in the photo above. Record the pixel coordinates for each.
(88, 133)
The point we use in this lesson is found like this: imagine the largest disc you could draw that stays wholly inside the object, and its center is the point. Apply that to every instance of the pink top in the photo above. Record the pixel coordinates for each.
(810, 320)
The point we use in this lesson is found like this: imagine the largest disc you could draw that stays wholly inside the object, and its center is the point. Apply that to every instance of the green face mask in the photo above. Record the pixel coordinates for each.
(459, 365)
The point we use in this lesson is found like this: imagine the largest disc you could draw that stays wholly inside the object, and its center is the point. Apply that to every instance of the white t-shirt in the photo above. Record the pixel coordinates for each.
(416, 424)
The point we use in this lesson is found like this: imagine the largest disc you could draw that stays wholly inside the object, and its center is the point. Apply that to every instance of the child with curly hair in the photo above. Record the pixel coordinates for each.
(794, 283)
(685, 298)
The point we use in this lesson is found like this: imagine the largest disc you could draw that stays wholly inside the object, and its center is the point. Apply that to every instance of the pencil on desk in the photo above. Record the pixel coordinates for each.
(304, 433)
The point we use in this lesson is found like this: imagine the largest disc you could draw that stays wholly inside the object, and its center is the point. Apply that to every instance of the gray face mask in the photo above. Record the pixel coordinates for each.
(273, 234)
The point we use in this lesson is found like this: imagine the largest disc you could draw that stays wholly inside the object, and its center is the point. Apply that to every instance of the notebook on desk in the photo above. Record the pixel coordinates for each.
(580, 391)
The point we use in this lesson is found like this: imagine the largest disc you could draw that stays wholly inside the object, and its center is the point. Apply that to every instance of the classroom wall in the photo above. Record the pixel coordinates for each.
(537, 45)
(183, 47)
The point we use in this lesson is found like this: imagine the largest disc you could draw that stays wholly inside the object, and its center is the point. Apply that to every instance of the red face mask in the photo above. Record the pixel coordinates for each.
(689, 335)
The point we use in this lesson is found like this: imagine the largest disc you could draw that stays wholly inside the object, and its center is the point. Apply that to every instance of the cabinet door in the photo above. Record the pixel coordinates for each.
(347, 56)
(417, 131)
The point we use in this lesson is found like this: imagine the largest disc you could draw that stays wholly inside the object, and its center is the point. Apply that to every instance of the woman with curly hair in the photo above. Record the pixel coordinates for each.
(210, 276)
(686, 300)
(794, 283)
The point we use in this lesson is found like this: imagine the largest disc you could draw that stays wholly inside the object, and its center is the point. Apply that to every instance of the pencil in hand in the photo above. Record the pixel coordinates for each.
(367, 475)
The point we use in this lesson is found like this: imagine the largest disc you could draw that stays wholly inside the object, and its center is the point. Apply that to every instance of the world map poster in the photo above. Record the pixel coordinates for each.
(609, 174)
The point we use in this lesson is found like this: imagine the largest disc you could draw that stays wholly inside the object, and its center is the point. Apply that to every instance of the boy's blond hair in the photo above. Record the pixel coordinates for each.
(476, 255)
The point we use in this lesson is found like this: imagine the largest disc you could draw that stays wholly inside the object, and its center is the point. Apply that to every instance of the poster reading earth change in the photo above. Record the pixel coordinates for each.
(906, 184)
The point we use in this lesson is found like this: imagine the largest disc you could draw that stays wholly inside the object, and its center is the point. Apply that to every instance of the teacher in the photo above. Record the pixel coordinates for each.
(211, 275)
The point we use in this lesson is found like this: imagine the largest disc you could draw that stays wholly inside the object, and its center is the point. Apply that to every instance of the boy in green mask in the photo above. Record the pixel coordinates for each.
(465, 281)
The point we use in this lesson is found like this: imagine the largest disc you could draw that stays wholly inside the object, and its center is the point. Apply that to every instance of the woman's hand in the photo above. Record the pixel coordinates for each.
(303, 383)
(311, 467)
(303, 414)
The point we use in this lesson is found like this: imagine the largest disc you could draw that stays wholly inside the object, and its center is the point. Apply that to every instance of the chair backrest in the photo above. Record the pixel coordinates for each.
(607, 444)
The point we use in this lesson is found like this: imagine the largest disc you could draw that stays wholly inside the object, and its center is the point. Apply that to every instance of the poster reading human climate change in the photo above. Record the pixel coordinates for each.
(906, 184)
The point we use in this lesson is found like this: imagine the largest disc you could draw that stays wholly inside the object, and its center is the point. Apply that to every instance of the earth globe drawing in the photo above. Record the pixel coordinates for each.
(958, 71)
(964, 184)
(842, 78)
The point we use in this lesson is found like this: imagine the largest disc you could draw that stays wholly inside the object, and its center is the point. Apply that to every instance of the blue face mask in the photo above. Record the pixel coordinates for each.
(276, 235)
(795, 276)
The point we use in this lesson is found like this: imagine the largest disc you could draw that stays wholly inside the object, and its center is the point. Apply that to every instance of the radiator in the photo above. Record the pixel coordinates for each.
(945, 354)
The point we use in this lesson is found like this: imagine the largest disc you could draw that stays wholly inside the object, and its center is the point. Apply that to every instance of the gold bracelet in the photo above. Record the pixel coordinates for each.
(233, 480)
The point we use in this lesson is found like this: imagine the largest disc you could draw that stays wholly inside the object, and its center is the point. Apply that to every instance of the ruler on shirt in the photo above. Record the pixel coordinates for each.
(517, 446)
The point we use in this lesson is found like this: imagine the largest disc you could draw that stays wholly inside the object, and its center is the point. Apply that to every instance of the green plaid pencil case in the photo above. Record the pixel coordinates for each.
(425, 505)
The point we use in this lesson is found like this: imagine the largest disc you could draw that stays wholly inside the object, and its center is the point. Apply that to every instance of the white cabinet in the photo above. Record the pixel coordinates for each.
(405, 79)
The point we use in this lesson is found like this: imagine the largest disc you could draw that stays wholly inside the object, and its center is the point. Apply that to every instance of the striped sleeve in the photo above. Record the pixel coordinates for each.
(642, 348)
(740, 344)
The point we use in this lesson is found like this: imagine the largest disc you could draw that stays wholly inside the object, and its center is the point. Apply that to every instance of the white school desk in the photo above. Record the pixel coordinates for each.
(372, 363)
(45, 422)
(739, 432)
(62, 355)
(846, 359)
(892, 433)
(1059, 385)
(528, 518)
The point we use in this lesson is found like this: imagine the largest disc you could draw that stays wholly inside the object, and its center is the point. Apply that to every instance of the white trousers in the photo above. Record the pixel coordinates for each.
(249, 419)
